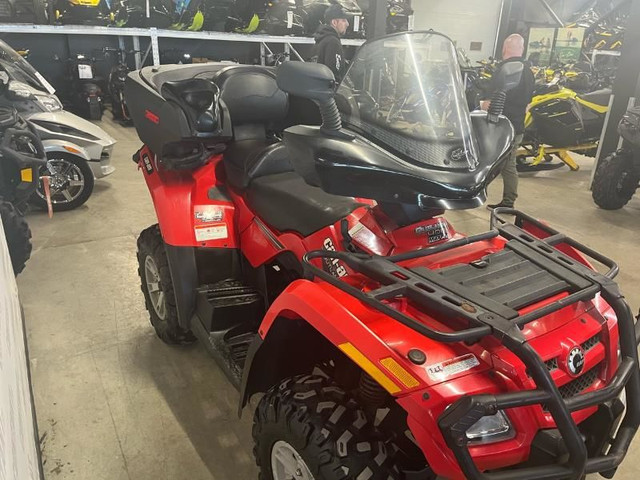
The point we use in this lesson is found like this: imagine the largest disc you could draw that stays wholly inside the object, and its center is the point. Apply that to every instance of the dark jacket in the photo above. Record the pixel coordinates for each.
(328, 50)
(515, 107)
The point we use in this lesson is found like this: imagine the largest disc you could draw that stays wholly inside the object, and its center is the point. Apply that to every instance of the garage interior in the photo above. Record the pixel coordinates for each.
(112, 401)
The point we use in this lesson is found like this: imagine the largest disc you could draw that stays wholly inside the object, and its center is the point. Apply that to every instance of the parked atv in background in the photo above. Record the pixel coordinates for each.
(617, 176)
(83, 12)
(314, 264)
(77, 150)
(21, 155)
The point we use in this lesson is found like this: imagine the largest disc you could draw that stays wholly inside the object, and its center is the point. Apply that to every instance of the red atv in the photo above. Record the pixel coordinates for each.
(315, 266)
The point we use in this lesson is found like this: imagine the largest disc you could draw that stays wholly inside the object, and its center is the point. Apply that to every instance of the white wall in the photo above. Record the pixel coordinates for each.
(465, 21)
(18, 448)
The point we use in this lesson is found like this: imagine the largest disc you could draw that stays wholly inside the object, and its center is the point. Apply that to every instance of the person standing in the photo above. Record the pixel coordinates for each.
(515, 109)
(328, 47)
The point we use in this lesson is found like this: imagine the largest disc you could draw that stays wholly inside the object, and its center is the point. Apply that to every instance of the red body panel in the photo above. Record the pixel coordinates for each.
(341, 318)
(183, 203)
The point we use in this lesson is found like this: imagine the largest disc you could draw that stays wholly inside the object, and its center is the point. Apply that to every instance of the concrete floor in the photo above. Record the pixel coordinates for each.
(115, 403)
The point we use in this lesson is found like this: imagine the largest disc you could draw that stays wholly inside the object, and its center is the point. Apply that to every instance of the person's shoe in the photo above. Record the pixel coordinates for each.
(502, 204)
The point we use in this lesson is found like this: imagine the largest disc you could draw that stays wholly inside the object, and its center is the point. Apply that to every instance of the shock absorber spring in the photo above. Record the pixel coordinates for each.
(371, 393)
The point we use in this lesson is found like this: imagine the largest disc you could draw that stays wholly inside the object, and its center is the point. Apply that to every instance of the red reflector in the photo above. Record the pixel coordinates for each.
(152, 117)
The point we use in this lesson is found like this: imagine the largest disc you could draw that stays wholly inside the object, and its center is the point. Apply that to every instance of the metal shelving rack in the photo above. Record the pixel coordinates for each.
(154, 34)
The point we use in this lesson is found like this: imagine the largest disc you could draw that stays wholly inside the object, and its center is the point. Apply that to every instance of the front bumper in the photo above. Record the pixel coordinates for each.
(101, 168)
(584, 448)
(531, 241)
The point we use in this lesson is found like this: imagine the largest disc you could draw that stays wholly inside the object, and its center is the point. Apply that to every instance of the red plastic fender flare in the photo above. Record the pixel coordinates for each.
(338, 317)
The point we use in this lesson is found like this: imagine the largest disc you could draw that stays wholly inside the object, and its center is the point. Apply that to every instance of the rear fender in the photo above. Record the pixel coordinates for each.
(193, 209)
(194, 214)
(340, 323)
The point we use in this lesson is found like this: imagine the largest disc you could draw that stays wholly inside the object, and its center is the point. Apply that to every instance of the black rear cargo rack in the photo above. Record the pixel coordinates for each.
(488, 309)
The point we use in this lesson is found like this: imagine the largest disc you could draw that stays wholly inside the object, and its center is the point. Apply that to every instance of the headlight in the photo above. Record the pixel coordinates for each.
(492, 428)
(50, 102)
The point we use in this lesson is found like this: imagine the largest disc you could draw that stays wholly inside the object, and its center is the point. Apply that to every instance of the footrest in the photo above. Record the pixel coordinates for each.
(227, 304)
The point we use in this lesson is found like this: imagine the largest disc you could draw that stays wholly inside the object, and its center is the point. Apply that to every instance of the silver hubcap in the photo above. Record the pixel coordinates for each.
(154, 288)
(66, 180)
(287, 464)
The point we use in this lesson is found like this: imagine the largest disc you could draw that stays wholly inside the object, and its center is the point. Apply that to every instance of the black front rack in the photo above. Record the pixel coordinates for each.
(486, 315)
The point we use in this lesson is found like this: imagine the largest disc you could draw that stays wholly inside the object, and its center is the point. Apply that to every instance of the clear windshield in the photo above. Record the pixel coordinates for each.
(18, 68)
(406, 91)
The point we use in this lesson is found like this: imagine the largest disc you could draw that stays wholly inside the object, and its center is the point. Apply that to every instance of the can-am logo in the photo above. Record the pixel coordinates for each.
(332, 265)
(458, 154)
(575, 361)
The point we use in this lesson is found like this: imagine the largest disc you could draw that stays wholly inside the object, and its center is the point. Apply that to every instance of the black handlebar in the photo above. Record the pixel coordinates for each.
(19, 137)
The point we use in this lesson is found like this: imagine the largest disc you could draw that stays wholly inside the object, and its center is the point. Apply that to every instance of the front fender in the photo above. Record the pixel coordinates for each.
(341, 321)
(63, 146)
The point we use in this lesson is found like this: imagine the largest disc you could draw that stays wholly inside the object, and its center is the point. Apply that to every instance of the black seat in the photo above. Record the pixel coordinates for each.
(599, 97)
(256, 105)
(245, 160)
(286, 202)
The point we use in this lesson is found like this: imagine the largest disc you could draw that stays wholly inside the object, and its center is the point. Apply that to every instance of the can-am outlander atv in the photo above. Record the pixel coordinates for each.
(313, 262)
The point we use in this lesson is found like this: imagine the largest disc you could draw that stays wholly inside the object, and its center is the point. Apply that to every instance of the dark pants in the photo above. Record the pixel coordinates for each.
(510, 175)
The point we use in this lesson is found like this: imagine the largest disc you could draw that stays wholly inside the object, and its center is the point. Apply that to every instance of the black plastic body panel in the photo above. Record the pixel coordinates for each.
(359, 168)
(160, 122)
(184, 276)
(507, 278)
(191, 267)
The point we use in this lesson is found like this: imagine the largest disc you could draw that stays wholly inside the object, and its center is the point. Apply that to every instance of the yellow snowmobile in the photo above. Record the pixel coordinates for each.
(560, 121)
